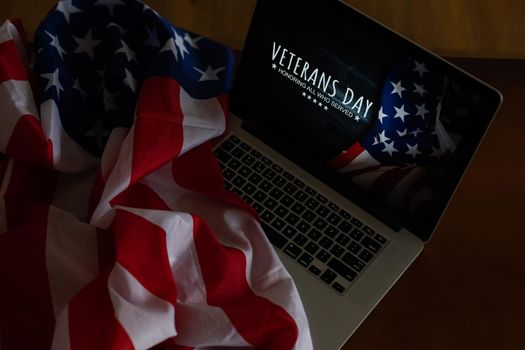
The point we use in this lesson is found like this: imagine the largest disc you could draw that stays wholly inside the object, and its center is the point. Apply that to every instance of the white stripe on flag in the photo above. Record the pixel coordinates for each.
(363, 160)
(68, 156)
(146, 318)
(203, 120)
(61, 334)
(71, 256)
(72, 193)
(112, 149)
(16, 100)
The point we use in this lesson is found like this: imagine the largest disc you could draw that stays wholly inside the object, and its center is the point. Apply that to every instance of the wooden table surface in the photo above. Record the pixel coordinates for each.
(466, 290)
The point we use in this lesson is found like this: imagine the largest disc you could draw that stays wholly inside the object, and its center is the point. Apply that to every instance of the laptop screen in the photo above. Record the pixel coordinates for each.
(356, 100)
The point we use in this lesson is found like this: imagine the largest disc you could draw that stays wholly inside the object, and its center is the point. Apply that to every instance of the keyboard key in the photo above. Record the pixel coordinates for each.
(380, 239)
(278, 224)
(298, 208)
(370, 244)
(331, 231)
(245, 147)
(237, 191)
(322, 211)
(276, 193)
(228, 174)
(300, 196)
(300, 240)
(322, 199)
(260, 196)
(345, 226)
(279, 181)
(290, 188)
(248, 160)
(258, 167)
(277, 168)
(234, 139)
(222, 156)
(356, 222)
(345, 214)
(245, 171)
(343, 239)
(366, 256)
(342, 269)
(368, 231)
(311, 203)
(292, 219)
(303, 227)
(320, 224)
(311, 248)
(266, 161)
(354, 247)
(328, 276)
(326, 242)
(247, 198)
(238, 153)
(308, 215)
(333, 206)
(338, 288)
(293, 250)
(275, 237)
(238, 181)
(270, 203)
(286, 200)
(315, 270)
(337, 250)
(289, 231)
(281, 211)
(323, 255)
(288, 176)
(258, 208)
(299, 183)
(305, 259)
(314, 235)
(356, 234)
(267, 216)
(265, 186)
(353, 262)
(234, 164)
(255, 153)
(310, 191)
(268, 174)
(255, 179)
(334, 219)
(249, 188)
(227, 145)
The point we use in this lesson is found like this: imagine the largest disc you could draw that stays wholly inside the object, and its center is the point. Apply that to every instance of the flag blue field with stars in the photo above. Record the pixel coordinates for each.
(93, 55)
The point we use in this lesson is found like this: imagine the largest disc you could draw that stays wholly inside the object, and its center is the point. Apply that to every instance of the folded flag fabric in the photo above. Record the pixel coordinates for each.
(115, 228)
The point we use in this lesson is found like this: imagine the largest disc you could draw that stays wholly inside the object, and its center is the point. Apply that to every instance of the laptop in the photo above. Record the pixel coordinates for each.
(349, 141)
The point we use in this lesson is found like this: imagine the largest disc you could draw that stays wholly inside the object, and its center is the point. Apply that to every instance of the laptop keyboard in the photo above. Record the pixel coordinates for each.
(326, 240)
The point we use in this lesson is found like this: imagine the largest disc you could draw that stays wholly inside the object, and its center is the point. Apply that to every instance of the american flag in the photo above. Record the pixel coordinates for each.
(407, 138)
(115, 228)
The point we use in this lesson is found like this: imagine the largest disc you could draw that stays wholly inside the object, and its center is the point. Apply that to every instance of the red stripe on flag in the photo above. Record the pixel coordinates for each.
(29, 143)
(26, 316)
(11, 67)
(158, 129)
(198, 170)
(224, 102)
(92, 321)
(141, 249)
(262, 323)
(105, 249)
(346, 157)
(139, 196)
(96, 192)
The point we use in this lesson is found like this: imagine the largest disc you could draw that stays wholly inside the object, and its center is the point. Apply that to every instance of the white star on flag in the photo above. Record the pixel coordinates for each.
(98, 133)
(412, 150)
(398, 89)
(209, 74)
(56, 44)
(153, 38)
(416, 132)
(383, 138)
(109, 4)
(170, 47)
(179, 41)
(109, 100)
(389, 147)
(125, 49)
(129, 80)
(53, 81)
(420, 68)
(193, 42)
(402, 133)
(86, 45)
(421, 111)
(419, 89)
(119, 28)
(67, 8)
(401, 113)
(381, 115)
(76, 86)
